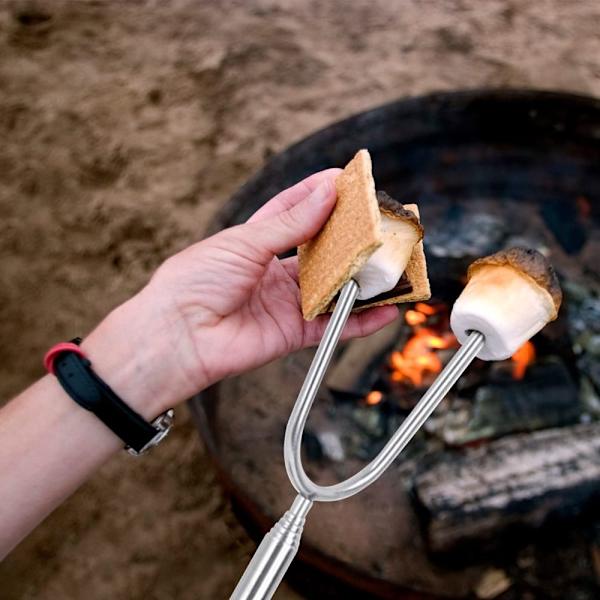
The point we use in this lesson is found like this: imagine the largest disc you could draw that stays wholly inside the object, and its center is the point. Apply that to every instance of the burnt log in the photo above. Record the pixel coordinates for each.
(483, 499)
(545, 398)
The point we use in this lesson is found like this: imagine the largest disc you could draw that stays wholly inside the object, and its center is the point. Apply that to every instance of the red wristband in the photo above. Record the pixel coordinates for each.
(56, 350)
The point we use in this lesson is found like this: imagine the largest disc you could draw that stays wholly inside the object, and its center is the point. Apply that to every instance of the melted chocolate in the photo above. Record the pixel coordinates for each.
(403, 287)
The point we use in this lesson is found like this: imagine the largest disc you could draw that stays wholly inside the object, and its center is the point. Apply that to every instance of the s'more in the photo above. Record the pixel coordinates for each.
(369, 237)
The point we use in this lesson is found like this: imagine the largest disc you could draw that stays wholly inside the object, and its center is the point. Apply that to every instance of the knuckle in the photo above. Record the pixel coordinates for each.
(289, 219)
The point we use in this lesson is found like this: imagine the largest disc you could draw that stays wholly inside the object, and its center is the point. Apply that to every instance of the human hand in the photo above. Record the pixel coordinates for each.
(228, 304)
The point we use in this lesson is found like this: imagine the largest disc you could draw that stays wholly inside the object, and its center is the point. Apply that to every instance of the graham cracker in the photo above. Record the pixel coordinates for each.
(350, 236)
(416, 271)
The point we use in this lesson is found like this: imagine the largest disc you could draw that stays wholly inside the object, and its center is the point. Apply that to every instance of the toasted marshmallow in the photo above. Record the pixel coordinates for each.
(509, 297)
(400, 231)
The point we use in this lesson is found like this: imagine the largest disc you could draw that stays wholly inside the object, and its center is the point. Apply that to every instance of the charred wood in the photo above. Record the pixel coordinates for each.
(483, 498)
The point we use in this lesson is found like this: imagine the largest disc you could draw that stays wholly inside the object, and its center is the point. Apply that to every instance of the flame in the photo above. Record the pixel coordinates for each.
(427, 309)
(419, 357)
(419, 360)
(374, 397)
(414, 317)
(522, 358)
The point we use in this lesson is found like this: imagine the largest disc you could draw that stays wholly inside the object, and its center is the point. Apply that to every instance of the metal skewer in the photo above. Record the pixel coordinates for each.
(278, 548)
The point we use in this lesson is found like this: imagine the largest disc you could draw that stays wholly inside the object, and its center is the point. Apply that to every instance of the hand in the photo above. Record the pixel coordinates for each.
(220, 307)
(228, 304)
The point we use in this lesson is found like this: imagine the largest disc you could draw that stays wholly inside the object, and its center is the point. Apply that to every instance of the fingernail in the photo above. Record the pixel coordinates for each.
(322, 193)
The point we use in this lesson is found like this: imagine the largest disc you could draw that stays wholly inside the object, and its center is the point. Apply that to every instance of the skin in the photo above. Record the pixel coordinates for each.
(221, 307)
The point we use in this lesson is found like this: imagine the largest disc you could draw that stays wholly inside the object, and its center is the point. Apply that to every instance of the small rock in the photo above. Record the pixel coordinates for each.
(331, 445)
(574, 291)
(590, 400)
(369, 420)
(585, 316)
(492, 583)
(591, 343)
(591, 367)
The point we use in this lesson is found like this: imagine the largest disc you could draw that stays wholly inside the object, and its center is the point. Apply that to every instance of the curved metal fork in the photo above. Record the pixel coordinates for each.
(278, 548)
(366, 476)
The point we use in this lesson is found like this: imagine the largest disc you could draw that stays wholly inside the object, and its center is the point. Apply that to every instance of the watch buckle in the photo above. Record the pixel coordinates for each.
(162, 424)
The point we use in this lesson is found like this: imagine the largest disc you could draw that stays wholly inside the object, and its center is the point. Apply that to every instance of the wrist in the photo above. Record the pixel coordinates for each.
(131, 350)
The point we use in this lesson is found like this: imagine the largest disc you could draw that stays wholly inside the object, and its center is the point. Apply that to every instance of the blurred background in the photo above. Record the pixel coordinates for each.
(124, 128)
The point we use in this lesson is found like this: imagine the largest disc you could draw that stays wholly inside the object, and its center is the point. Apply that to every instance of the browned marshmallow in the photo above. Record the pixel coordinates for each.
(509, 297)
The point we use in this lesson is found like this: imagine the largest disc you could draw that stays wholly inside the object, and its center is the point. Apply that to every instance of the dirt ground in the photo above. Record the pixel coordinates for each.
(124, 126)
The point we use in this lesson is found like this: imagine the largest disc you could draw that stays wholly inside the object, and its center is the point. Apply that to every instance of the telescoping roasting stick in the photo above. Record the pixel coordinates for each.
(279, 546)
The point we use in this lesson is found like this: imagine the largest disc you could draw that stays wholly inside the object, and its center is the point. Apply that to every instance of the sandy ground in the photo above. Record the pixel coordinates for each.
(124, 126)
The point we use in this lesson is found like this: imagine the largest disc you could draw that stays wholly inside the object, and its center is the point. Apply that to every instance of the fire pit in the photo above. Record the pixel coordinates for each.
(498, 496)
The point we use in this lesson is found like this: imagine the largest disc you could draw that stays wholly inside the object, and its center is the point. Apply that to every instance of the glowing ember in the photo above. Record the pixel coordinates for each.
(522, 358)
(373, 398)
(414, 317)
(427, 309)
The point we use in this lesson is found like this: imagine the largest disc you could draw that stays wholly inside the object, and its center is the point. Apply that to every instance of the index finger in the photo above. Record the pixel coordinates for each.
(290, 197)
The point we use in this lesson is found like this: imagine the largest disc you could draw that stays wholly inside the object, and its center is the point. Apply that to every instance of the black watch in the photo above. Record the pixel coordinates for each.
(76, 376)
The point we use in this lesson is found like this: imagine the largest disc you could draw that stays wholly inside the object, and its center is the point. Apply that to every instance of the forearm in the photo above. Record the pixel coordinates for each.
(49, 445)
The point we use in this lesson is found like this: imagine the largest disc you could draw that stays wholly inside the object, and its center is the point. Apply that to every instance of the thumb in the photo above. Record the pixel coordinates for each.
(294, 226)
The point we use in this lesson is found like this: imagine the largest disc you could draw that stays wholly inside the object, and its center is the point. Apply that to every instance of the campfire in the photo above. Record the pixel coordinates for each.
(500, 488)
(419, 361)
(427, 350)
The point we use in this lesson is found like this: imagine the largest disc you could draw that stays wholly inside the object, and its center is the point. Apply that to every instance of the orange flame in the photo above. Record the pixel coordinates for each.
(427, 309)
(418, 362)
(419, 357)
(522, 358)
(414, 317)
(374, 397)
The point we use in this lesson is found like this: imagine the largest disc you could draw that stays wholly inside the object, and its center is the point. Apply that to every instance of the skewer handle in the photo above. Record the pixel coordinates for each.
(274, 555)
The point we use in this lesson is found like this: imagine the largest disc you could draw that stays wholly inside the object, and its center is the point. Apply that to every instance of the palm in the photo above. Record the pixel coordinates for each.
(234, 307)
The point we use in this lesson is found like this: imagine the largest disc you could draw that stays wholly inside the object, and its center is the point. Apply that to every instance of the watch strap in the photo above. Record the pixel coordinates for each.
(73, 371)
